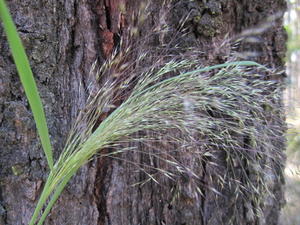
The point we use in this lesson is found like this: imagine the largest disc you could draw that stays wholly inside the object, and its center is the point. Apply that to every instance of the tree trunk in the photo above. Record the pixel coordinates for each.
(63, 39)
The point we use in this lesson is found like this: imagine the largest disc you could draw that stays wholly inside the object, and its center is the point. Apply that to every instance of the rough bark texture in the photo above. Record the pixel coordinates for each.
(63, 39)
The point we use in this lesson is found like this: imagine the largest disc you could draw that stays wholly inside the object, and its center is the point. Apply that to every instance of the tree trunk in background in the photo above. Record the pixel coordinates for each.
(63, 39)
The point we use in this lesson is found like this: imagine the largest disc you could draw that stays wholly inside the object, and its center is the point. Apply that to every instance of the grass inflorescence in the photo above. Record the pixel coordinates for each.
(221, 102)
(147, 96)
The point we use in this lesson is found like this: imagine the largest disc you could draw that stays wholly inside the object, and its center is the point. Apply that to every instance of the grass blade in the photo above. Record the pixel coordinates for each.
(26, 76)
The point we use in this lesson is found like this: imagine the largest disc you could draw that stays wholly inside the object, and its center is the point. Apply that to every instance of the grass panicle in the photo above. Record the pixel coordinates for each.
(219, 102)
(150, 96)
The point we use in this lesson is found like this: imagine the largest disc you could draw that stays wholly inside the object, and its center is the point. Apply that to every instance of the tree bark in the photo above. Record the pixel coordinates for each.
(63, 39)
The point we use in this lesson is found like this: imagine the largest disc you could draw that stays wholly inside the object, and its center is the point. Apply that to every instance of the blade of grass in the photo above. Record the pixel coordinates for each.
(26, 76)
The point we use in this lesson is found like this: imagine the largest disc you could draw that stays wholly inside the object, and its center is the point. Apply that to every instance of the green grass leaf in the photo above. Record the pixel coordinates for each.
(25, 73)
